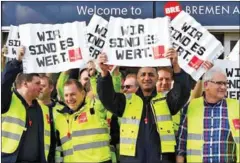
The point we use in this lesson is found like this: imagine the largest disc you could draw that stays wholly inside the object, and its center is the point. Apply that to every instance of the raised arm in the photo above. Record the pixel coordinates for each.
(8, 77)
(112, 101)
(179, 95)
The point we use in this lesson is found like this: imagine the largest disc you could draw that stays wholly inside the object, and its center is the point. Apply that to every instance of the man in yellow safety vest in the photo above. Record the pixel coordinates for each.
(209, 131)
(146, 131)
(25, 124)
(82, 133)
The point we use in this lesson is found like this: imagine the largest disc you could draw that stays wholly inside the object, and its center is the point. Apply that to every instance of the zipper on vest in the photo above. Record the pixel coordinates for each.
(146, 116)
(68, 133)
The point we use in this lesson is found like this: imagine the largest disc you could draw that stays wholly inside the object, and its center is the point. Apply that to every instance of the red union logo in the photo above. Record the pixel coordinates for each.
(195, 62)
(158, 52)
(75, 54)
(236, 123)
(82, 117)
(172, 9)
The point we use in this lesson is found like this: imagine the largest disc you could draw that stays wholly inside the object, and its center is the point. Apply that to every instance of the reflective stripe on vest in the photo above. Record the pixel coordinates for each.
(128, 140)
(11, 135)
(194, 152)
(164, 118)
(58, 148)
(168, 137)
(67, 152)
(47, 147)
(130, 121)
(65, 139)
(192, 136)
(195, 129)
(14, 120)
(90, 145)
(90, 132)
(237, 139)
(47, 133)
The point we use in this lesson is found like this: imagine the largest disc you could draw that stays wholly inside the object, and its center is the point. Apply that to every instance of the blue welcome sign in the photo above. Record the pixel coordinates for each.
(207, 13)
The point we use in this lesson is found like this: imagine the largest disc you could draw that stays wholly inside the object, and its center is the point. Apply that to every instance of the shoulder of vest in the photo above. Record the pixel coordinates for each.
(232, 102)
(58, 106)
(43, 106)
(158, 97)
(196, 100)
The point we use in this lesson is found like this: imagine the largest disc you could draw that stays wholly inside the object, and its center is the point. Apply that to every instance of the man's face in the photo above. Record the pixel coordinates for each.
(34, 87)
(216, 88)
(46, 89)
(84, 78)
(164, 81)
(147, 78)
(129, 85)
(73, 97)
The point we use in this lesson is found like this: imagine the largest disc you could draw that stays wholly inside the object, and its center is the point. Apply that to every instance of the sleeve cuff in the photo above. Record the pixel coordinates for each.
(105, 77)
(16, 62)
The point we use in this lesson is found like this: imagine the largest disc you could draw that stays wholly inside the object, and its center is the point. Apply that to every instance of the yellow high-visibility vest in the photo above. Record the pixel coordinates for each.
(130, 122)
(176, 121)
(195, 117)
(14, 124)
(84, 136)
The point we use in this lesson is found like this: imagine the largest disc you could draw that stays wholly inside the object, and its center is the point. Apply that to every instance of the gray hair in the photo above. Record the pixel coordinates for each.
(210, 73)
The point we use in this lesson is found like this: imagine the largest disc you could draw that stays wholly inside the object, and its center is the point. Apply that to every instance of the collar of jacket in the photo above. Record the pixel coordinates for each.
(52, 104)
(34, 102)
(66, 109)
(140, 94)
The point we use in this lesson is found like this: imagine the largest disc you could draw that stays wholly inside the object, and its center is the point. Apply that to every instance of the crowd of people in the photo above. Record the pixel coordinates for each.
(156, 115)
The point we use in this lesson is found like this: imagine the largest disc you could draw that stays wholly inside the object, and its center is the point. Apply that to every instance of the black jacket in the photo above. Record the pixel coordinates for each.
(148, 149)
(8, 77)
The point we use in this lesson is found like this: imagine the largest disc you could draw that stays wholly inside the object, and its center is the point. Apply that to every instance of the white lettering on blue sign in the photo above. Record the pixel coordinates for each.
(86, 10)
(213, 10)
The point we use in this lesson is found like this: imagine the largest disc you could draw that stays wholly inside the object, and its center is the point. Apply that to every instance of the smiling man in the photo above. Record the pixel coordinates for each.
(82, 133)
(209, 131)
(130, 84)
(146, 131)
(165, 78)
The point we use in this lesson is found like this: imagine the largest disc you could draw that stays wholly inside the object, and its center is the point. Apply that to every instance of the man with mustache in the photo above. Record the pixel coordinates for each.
(146, 131)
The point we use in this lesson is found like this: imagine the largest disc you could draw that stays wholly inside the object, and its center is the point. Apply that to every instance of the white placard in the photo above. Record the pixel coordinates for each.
(232, 70)
(138, 42)
(13, 42)
(96, 37)
(194, 44)
(53, 48)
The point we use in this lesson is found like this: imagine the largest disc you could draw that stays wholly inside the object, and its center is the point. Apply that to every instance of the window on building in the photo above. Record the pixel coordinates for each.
(220, 37)
(232, 44)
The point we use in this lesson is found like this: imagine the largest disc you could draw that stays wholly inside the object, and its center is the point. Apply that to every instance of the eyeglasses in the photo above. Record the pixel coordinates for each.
(219, 83)
(126, 86)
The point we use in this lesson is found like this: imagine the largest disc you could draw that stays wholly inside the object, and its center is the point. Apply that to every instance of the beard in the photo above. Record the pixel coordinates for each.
(41, 96)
